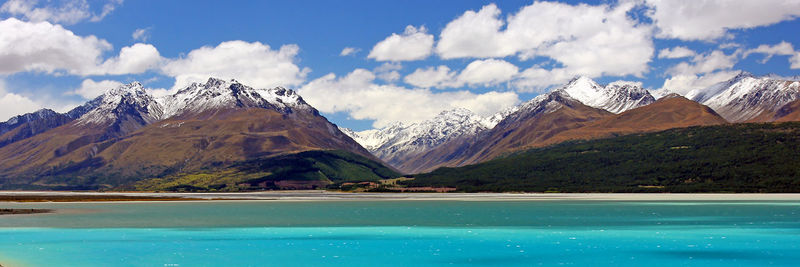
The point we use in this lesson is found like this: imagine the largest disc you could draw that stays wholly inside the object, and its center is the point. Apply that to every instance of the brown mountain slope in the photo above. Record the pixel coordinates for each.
(788, 112)
(672, 111)
(213, 138)
(536, 121)
(569, 120)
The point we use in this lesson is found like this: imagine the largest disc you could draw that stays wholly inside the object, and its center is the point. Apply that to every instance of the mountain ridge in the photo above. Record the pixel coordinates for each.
(125, 136)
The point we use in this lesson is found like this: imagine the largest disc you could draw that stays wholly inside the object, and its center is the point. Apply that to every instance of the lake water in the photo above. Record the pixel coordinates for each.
(405, 233)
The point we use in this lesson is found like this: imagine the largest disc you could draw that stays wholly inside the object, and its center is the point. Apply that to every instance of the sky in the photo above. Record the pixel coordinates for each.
(367, 64)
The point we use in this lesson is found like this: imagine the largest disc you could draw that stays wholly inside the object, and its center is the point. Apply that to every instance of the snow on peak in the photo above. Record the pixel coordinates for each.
(127, 99)
(745, 96)
(399, 140)
(615, 97)
(217, 93)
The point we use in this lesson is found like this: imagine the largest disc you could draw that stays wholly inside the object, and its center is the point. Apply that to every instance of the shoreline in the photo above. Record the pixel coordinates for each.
(318, 195)
(24, 212)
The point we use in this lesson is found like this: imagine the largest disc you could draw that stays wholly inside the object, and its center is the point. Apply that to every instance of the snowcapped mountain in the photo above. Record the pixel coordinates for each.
(216, 93)
(129, 102)
(126, 134)
(15, 121)
(615, 97)
(398, 142)
(132, 102)
(746, 96)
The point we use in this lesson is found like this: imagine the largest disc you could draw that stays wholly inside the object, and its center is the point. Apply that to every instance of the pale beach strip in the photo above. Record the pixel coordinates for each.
(319, 195)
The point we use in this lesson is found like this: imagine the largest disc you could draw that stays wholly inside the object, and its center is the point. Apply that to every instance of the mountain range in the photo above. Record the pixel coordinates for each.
(582, 109)
(223, 135)
(126, 135)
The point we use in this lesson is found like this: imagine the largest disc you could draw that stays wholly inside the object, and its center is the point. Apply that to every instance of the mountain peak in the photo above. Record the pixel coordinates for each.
(133, 88)
(125, 102)
(580, 79)
(217, 94)
(615, 97)
(746, 96)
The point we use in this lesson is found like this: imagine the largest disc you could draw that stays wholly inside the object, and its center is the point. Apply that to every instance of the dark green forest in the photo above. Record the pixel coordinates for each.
(727, 158)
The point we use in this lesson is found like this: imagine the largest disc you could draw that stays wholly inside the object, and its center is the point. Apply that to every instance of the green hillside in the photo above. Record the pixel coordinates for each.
(727, 158)
(305, 170)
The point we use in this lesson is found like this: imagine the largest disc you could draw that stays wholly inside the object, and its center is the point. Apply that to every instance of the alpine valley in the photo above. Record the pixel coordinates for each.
(226, 136)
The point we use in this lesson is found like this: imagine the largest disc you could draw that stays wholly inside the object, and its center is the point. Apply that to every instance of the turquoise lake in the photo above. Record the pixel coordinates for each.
(405, 233)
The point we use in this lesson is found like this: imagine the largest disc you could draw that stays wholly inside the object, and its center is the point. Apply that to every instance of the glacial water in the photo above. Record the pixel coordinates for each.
(405, 233)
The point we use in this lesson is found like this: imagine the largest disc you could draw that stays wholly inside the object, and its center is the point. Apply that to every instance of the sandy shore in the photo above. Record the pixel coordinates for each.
(316, 195)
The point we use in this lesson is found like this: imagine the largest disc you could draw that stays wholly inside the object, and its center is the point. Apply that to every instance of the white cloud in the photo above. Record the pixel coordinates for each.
(474, 34)
(107, 9)
(413, 44)
(706, 63)
(537, 79)
(430, 77)
(68, 13)
(487, 72)
(13, 104)
(388, 71)
(347, 51)
(358, 95)
(255, 64)
(684, 83)
(584, 39)
(46, 48)
(141, 34)
(782, 49)
(795, 61)
(90, 89)
(676, 52)
(711, 19)
(133, 59)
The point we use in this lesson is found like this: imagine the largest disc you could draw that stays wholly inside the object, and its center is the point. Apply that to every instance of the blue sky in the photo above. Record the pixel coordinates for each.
(411, 59)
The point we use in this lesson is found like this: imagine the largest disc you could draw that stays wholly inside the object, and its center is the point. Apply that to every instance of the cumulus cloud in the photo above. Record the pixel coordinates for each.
(413, 44)
(388, 71)
(538, 79)
(474, 34)
(348, 51)
(586, 40)
(133, 59)
(48, 48)
(676, 52)
(68, 13)
(795, 61)
(711, 19)
(480, 72)
(716, 60)
(685, 83)
(90, 89)
(141, 34)
(487, 72)
(358, 95)
(431, 77)
(255, 64)
(13, 104)
(781, 49)
(45, 47)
